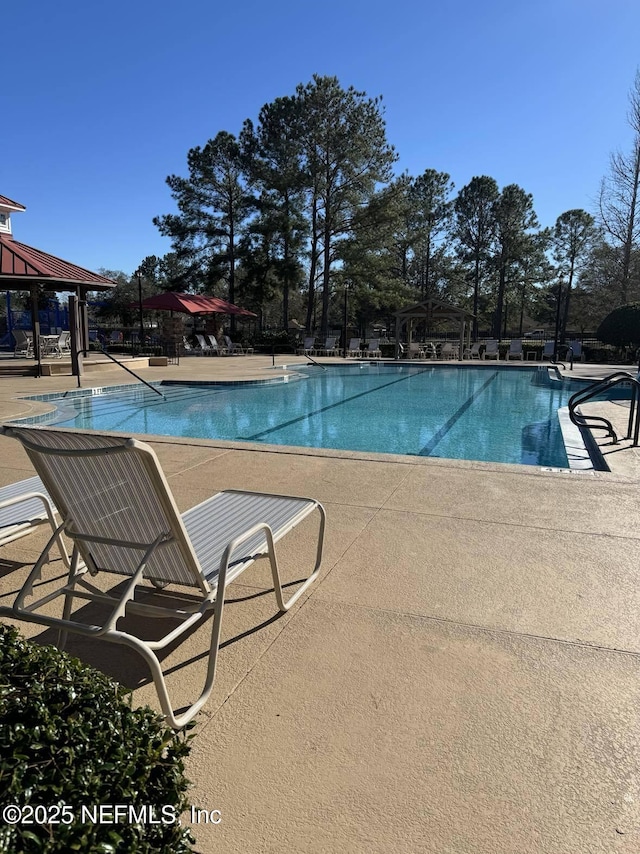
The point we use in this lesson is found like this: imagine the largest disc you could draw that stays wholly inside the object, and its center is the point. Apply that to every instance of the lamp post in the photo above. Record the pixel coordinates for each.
(139, 275)
(347, 285)
(555, 339)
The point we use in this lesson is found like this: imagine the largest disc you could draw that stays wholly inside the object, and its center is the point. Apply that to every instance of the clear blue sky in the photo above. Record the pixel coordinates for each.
(101, 101)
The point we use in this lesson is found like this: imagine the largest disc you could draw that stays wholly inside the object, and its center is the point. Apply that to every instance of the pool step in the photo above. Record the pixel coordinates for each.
(17, 369)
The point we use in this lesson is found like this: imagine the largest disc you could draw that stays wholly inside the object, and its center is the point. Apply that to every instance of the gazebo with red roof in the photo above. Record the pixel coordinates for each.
(23, 268)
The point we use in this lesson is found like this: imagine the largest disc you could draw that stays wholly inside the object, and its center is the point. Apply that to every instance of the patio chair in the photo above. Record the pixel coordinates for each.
(415, 350)
(548, 350)
(234, 349)
(329, 348)
(24, 343)
(472, 352)
(515, 350)
(449, 351)
(307, 347)
(355, 347)
(24, 506)
(206, 349)
(373, 349)
(576, 350)
(188, 346)
(430, 350)
(117, 509)
(217, 349)
(491, 350)
(62, 347)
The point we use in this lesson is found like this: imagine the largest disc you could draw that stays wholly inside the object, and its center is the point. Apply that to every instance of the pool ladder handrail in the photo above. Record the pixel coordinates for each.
(125, 368)
(598, 422)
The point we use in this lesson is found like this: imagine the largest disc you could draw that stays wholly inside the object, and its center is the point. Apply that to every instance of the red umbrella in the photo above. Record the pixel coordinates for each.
(193, 304)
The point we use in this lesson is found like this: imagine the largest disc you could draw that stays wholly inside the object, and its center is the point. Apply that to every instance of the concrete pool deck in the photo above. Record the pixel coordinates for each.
(462, 678)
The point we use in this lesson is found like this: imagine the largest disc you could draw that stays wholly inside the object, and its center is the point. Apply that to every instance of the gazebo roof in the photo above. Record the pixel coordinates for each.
(6, 202)
(22, 266)
(434, 309)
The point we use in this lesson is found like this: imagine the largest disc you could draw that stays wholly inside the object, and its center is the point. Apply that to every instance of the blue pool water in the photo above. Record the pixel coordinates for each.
(491, 414)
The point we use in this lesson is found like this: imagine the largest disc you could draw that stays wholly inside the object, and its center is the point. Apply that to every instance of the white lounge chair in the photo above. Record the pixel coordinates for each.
(576, 350)
(24, 507)
(430, 351)
(205, 347)
(329, 348)
(217, 349)
(548, 350)
(449, 351)
(515, 350)
(415, 350)
(24, 343)
(188, 346)
(472, 352)
(62, 347)
(234, 349)
(355, 347)
(117, 509)
(373, 349)
(307, 347)
(491, 350)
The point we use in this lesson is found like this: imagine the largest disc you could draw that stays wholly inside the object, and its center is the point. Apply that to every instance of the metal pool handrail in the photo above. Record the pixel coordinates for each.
(599, 422)
(124, 368)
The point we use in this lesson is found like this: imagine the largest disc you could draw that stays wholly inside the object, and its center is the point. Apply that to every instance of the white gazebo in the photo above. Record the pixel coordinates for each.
(432, 311)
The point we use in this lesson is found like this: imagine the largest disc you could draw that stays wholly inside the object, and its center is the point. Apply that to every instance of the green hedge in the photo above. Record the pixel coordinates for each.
(69, 739)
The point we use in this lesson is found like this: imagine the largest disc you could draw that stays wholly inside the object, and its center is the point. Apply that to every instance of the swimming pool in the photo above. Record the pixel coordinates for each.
(490, 413)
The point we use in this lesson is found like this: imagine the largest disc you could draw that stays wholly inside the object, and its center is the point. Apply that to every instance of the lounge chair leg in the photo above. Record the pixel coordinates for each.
(68, 597)
(275, 573)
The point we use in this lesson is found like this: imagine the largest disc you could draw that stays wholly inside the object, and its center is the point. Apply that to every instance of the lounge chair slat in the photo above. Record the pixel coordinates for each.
(30, 511)
(234, 513)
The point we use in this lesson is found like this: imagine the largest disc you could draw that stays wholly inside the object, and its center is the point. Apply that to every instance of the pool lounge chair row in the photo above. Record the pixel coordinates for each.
(515, 350)
(309, 347)
(208, 346)
(355, 348)
(429, 350)
(118, 512)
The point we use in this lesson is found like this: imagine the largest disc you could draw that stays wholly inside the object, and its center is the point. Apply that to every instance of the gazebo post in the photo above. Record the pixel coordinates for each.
(9, 317)
(35, 326)
(83, 318)
(74, 328)
(398, 327)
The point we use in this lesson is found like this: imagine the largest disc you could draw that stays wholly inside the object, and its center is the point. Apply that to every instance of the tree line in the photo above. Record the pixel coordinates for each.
(303, 203)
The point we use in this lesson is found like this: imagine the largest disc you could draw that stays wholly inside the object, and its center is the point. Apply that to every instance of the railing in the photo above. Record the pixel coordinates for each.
(598, 422)
(124, 368)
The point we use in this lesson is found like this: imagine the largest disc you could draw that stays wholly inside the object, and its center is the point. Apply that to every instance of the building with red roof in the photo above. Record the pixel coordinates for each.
(24, 268)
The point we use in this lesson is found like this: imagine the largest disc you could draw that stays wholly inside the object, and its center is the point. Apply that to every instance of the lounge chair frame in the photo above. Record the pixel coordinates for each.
(230, 542)
(449, 350)
(217, 349)
(492, 350)
(355, 347)
(329, 348)
(373, 350)
(24, 343)
(24, 507)
(472, 352)
(515, 350)
(308, 346)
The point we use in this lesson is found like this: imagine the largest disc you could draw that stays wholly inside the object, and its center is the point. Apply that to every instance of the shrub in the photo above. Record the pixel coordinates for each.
(621, 327)
(277, 340)
(69, 738)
